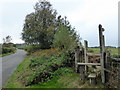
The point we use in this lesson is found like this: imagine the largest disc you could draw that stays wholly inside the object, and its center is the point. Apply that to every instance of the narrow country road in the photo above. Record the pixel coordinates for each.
(9, 64)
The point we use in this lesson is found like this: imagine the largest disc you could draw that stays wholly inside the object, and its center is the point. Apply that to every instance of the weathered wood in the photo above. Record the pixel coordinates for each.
(93, 54)
(96, 64)
(107, 70)
(100, 34)
(116, 59)
(81, 55)
(92, 78)
(103, 45)
(82, 72)
(77, 57)
(101, 41)
(85, 54)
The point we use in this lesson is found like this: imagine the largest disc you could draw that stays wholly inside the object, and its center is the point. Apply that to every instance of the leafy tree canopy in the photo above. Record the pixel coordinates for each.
(44, 28)
(40, 25)
(65, 35)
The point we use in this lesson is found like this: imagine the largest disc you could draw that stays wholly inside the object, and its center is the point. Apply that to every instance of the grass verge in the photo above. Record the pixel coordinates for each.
(46, 69)
(2, 55)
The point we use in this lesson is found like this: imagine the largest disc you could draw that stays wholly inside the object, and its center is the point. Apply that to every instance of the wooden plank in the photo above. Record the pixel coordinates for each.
(93, 54)
(97, 64)
(85, 54)
(107, 70)
(92, 78)
(92, 75)
(116, 59)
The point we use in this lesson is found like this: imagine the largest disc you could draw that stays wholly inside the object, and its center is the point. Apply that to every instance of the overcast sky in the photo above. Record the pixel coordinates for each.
(84, 15)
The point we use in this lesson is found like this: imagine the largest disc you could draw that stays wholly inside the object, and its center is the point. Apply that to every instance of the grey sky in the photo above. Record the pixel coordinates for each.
(84, 15)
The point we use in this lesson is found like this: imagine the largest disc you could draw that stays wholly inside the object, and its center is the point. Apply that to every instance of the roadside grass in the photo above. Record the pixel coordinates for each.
(61, 78)
(66, 78)
(6, 54)
(45, 69)
(2, 55)
(35, 67)
(14, 81)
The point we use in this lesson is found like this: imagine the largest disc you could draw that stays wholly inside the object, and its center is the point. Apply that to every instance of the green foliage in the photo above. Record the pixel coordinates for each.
(61, 71)
(7, 50)
(40, 25)
(44, 75)
(61, 78)
(65, 37)
(7, 47)
(45, 66)
(32, 48)
(7, 39)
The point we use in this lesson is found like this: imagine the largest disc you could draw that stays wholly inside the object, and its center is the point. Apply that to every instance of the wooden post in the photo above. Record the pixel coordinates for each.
(82, 73)
(85, 54)
(108, 54)
(77, 57)
(101, 41)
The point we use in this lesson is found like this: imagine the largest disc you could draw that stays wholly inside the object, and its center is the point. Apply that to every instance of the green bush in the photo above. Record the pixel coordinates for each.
(61, 71)
(65, 38)
(8, 50)
(45, 65)
(32, 48)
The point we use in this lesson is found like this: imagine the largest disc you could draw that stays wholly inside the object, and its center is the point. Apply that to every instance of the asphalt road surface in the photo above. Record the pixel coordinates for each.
(9, 64)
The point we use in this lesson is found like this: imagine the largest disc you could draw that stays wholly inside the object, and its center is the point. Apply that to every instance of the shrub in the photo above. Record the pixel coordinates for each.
(7, 50)
(44, 66)
(32, 48)
(65, 38)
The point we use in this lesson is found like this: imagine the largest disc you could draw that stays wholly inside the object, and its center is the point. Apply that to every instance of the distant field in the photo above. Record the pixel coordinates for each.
(114, 51)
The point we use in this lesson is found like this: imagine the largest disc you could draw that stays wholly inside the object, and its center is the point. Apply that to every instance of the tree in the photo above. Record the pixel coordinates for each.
(7, 39)
(39, 27)
(65, 35)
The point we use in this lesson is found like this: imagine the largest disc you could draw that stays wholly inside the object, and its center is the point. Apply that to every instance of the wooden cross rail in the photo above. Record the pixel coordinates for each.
(93, 54)
(96, 64)
(116, 59)
(107, 70)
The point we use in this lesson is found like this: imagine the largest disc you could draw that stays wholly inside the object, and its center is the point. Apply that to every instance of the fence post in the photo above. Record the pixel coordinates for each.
(77, 57)
(85, 54)
(82, 73)
(102, 51)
